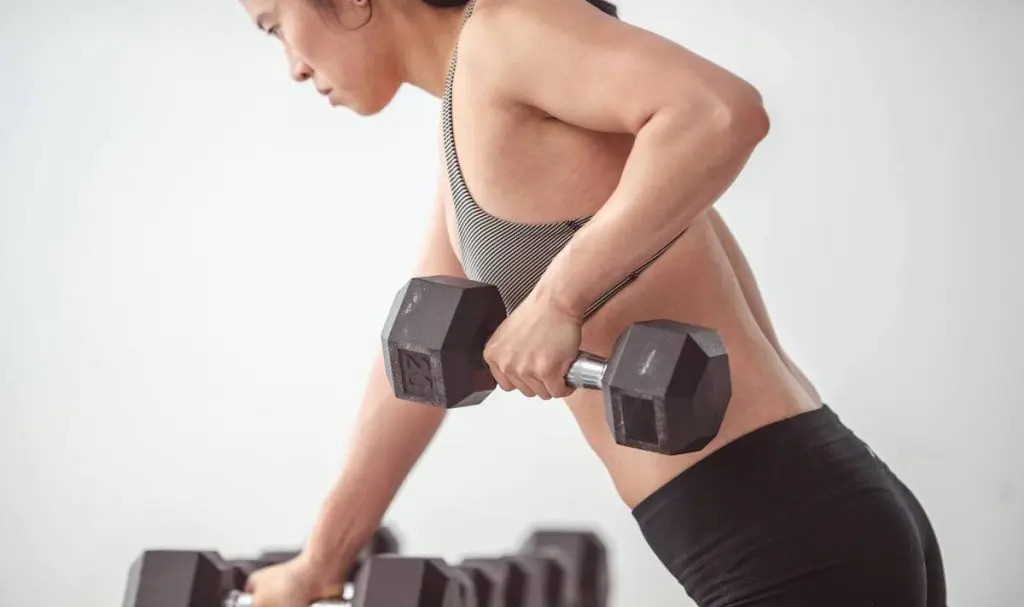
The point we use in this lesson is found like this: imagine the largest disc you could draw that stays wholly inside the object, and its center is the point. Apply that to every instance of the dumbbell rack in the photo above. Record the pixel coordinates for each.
(551, 568)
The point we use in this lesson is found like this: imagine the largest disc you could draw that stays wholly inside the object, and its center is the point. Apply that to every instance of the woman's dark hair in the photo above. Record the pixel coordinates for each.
(328, 7)
(607, 7)
(604, 5)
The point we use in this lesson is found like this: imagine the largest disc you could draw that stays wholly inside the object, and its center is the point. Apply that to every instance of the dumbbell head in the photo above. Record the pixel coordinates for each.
(525, 580)
(586, 563)
(483, 584)
(179, 578)
(434, 340)
(667, 386)
(473, 589)
(546, 578)
(234, 574)
(500, 582)
(406, 581)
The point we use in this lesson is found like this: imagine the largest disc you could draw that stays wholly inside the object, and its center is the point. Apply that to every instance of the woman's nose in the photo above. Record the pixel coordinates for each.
(301, 71)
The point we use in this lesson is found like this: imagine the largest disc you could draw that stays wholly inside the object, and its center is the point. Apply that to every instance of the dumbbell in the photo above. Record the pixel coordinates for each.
(502, 582)
(522, 580)
(666, 385)
(179, 578)
(551, 568)
(190, 578)
(392, 580)
(489, 588)
(586, 563)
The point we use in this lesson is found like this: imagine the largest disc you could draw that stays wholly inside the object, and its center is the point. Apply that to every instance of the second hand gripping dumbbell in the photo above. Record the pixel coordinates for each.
(203, 578)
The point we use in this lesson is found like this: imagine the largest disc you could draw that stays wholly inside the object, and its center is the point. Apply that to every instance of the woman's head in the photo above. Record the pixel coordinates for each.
(356, 52)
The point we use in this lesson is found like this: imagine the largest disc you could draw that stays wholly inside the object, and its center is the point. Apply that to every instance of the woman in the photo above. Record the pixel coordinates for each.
(580, 159)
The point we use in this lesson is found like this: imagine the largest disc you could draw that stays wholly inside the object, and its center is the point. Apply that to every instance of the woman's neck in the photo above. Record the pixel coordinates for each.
(429, 38)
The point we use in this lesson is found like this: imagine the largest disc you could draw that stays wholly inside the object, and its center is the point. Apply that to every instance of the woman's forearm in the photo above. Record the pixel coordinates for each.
(389, 437)
(678, 168)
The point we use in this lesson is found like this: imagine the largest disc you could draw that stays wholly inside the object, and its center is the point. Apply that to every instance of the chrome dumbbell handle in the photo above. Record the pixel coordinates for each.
(587, 371)
(237, 598)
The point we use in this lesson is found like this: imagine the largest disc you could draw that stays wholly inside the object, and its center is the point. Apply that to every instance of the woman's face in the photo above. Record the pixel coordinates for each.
(347, 55)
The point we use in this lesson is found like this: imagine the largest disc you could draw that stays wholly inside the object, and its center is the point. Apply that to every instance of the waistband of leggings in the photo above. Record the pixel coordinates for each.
(782, 441)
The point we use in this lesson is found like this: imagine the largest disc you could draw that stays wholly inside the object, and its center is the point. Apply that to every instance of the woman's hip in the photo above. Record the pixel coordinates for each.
(797, 512)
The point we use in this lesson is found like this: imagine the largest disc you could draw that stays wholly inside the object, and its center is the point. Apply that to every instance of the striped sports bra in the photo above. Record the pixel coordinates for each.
(509, 255)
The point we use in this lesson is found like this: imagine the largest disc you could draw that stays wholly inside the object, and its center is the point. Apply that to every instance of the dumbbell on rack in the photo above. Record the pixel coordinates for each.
(389, 580)
(666, 386)
(552, 568)
(203, 578)
(392, 580)
(585, 558)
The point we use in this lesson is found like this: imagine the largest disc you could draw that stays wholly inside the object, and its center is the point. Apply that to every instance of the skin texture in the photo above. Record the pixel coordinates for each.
(545, 134)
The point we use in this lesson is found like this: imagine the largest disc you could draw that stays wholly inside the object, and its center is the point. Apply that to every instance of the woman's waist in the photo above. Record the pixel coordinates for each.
(691, 283)
(762, 391)
(637, 474)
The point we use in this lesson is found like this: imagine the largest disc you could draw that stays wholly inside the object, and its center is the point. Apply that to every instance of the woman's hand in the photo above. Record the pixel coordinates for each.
(294, 583)
(533, 349)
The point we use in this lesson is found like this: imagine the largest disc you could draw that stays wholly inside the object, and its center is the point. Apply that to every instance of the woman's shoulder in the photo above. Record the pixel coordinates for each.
(506, 44)
(498, 30)
(571, 60)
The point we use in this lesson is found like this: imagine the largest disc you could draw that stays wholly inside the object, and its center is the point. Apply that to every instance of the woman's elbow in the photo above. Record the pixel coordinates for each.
(750, 119)
(730, 121)
(740, 120)
(733, 117)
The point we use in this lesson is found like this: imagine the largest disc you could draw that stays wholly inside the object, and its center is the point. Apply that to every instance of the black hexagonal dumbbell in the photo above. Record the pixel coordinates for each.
(666, 386)
(522, 579)
(585, 558)
(179, 578)
(191, 578)
(503, 582)
(487, 587)
(408, 581)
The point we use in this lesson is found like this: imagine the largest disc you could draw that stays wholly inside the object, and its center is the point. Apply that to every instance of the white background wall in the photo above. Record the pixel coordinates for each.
(196, 257)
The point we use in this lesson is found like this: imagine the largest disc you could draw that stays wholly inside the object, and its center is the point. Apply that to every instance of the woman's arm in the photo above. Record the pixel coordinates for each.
(389, 437)
(695, 124)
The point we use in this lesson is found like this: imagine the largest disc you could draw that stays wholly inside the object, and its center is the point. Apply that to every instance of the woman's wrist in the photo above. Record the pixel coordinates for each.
(322, 570)
(311, 576)
(558, 297)
(331, 548)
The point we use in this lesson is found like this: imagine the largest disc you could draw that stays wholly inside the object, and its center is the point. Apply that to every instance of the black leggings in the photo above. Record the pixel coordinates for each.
(800, 513)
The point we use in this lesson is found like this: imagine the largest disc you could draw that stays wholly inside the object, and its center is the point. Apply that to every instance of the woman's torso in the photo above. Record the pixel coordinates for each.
(519, 167)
